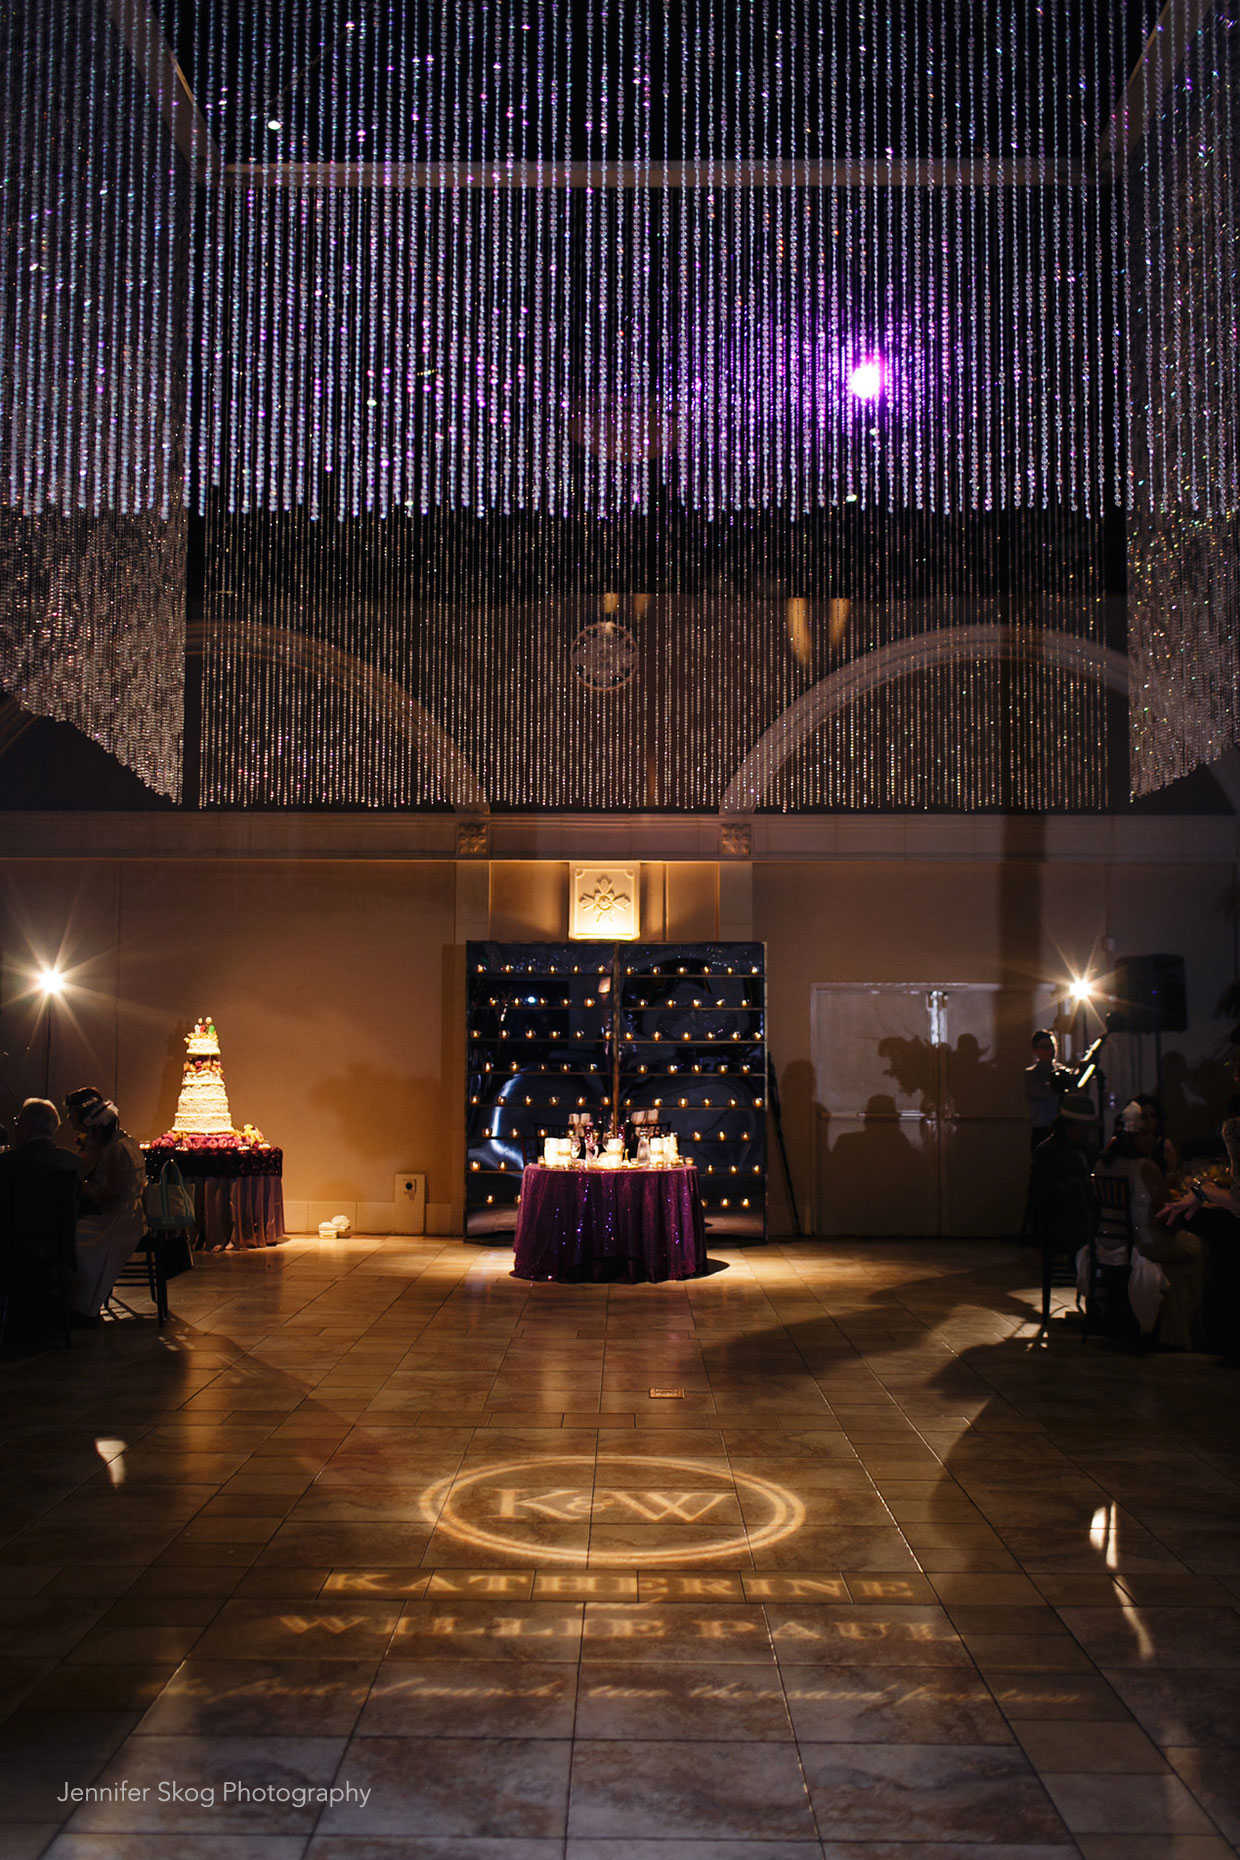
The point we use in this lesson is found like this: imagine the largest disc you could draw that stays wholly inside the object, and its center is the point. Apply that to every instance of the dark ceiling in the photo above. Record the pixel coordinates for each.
(375, 80)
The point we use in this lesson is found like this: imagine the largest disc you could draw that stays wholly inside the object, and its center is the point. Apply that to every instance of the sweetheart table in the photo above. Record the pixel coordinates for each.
(593, 1223)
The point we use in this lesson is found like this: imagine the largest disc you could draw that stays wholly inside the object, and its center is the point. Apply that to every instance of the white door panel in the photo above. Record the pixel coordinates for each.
(921, 1124)
(877, 1150)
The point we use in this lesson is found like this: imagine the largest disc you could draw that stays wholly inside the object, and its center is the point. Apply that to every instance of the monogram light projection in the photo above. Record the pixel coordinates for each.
(559, 1509)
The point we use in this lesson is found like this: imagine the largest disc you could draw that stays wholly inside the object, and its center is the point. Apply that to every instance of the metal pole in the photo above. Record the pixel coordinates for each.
(615, 1044)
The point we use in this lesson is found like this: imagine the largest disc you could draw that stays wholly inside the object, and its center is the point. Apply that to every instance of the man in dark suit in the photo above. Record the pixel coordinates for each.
(39, 1185)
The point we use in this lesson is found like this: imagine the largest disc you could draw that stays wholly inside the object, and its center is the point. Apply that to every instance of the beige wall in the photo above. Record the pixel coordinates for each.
(327, 982)
(337, 987)
(338, 984)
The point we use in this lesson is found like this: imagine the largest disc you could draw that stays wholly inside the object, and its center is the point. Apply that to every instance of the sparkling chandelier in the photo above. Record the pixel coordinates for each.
(834, 339)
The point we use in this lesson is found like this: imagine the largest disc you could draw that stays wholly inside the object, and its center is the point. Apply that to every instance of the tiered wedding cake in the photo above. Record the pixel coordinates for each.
(202, 1108)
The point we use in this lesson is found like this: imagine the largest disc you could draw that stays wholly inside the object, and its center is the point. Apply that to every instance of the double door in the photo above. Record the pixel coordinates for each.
(921, 1125)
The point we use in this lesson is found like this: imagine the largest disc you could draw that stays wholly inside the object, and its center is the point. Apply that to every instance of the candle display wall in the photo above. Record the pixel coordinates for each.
(692, 1048)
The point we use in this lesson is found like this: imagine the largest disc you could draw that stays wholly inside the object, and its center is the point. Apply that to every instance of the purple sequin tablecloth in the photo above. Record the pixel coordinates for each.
(601, 1224)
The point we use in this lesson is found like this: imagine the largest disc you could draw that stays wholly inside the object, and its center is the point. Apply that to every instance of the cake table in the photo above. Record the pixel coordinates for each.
(592, 1223)
(238, 1193)
(235, 1177)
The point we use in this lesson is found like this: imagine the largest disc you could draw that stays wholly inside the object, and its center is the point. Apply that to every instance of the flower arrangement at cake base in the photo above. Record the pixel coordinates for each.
(235, 1175)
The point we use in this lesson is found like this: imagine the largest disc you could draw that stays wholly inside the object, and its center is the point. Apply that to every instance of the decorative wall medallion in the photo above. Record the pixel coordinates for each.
(605, 656)
(736, 840)
(603, 902)
(472, 839)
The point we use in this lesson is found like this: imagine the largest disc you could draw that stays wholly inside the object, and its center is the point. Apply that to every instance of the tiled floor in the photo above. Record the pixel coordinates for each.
(373, 1521)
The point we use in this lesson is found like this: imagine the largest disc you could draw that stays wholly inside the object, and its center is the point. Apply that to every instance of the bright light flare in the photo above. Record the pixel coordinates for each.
(1081, 993)
(51, 981)
(867, 378)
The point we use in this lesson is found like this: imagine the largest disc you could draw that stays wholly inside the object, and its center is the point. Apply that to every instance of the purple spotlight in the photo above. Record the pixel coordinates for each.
(867, 378)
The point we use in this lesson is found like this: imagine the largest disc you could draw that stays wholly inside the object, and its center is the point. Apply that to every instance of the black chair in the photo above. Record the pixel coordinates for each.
(145, 1267)
(37, 1256)
(166, 1248)
(1110, 1259)
(1058, 1269)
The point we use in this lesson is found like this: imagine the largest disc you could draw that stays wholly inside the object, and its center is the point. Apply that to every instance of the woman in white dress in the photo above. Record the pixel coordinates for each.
(110, 1224)
(1130, 1154)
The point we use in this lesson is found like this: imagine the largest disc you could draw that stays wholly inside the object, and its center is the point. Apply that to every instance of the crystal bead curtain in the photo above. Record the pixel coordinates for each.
(1182, 183)
(713, 405)
(581, 392)
(773, 255)
(93, 217)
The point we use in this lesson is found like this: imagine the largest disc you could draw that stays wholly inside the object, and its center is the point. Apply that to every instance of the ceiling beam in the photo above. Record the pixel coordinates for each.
(138, 25)
(1150, 80)
(656, 175)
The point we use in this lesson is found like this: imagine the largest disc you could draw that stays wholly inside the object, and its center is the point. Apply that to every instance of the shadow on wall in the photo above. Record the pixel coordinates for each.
(376, 1114)
(946, 1151)
(1195, 1097)
(876, 1178)
(798, 1110)
(974, 1081)
(171, 1073)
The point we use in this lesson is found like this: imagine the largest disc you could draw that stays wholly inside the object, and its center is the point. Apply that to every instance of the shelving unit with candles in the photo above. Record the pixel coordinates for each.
(692, 1044)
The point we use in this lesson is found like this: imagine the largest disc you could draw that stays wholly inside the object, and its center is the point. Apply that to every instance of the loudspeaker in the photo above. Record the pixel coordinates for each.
(1149, 994)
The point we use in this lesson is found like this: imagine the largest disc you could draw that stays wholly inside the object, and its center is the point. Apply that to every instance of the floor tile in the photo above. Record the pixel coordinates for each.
(915, 1792)
(884, 1704)
(471, 1698)
(870, 1636)
(211, 1785)
(451, 1628)
(345, 1629)
(413, 1503)
(1183, 1708)
(1127, 1805)
(1154, 1847)
(1103, 1749)
(1213, 1775)
(631, 1791)
(731, 1633)
(1163, 1637)
(492, 1787)
(624, 1849)
(119, 1845)
(261, 1698)
(677, 1700)
(432, 1847)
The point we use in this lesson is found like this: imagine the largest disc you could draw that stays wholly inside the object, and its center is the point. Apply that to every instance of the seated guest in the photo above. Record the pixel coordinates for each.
(39, 1186)
(111, 1222)
(1212, 1213)
(1163, 1151)
(1130, 1154)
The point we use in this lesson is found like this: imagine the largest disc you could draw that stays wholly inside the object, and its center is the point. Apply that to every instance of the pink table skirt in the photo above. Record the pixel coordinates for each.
(600, 1224)
(238, 1211)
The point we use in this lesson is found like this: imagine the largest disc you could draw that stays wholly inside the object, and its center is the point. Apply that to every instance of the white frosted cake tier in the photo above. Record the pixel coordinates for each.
(202, 1108)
